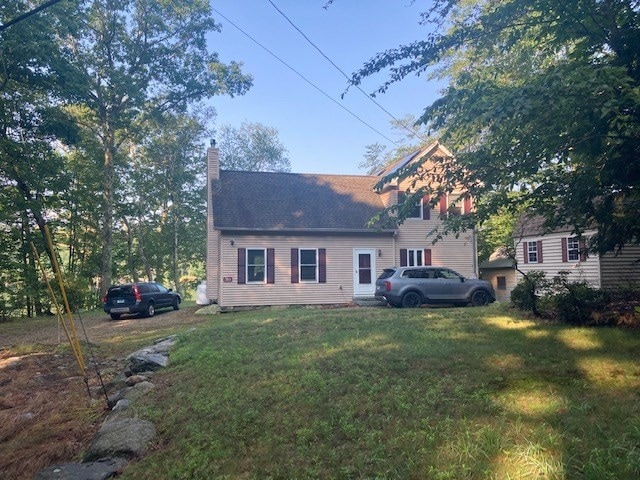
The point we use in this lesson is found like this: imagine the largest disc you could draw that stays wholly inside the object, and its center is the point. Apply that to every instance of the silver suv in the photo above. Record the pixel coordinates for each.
(413, 286)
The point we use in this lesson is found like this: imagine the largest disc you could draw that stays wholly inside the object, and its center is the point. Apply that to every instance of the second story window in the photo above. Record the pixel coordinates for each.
(415, 209)
(532, 252)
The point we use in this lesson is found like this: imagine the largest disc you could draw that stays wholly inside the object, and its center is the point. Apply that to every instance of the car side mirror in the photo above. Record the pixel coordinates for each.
(171, 289)
(462, 279)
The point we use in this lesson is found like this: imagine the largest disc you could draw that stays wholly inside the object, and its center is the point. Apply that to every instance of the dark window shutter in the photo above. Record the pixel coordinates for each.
(583, 251)
(271, 265)
(403, 257)
(295, 274)
(539, 251)
(443, 204)
(467, 205)
(322, 265)
(565, 255)
(242, 265)
(426, 208)
(525, 249)
(427, 256)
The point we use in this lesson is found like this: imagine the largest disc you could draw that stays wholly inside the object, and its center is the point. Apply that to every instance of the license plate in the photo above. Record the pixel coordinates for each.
(120, 300)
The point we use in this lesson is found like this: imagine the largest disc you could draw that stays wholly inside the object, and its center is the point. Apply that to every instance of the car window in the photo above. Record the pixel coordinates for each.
(152, 287)
(143, 288)
(386, 273)
(161, 288)
(448, 274)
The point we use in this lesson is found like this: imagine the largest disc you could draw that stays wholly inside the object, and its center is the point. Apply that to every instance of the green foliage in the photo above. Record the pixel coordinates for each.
(542, 98)
(252, 147)
(526, 293)
(576, 302)
(386, 393)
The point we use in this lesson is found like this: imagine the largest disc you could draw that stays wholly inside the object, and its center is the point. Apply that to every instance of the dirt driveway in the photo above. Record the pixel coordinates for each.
(47, 415)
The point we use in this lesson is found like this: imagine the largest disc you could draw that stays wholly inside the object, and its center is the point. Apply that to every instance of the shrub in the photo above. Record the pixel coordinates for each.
(525, 294)
(575, 302)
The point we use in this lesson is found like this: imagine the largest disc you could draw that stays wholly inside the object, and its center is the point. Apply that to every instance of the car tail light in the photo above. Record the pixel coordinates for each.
(136, 292)
(387, 286)
(104, 299)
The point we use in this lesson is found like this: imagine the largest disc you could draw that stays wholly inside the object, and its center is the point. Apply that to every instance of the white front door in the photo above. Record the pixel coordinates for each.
(364, 267)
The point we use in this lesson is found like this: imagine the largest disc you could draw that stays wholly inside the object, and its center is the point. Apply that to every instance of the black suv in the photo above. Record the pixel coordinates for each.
(141, 297)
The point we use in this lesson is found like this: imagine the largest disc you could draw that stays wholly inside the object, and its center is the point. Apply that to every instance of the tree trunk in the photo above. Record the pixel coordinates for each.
(174, 252)
(107, 213)
(143, 257)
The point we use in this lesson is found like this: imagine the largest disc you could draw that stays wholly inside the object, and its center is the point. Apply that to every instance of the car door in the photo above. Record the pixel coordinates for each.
(163, 296)
(433, 286)
(452, 285)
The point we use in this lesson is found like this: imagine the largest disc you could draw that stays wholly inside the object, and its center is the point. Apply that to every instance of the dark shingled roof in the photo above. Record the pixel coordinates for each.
(289, 201)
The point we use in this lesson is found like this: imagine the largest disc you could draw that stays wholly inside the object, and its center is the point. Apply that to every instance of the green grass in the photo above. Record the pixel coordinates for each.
(387, 393)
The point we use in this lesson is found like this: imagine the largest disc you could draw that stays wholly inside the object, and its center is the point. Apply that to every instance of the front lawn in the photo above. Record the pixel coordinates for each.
(388, 393)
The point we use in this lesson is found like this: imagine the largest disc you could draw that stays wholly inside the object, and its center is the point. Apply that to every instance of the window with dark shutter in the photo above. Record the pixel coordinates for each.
(322, 265)
(271, 265)
(427, 256)
(403, 257)
(295, 275)
(242, 266)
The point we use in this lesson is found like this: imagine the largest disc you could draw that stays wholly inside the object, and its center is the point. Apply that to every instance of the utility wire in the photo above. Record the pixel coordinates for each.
(28, 14)
(304, 78)
(399, 122)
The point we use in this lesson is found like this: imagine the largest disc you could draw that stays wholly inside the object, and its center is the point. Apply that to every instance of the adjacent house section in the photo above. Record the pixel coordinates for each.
(561, 250)
(287, 238)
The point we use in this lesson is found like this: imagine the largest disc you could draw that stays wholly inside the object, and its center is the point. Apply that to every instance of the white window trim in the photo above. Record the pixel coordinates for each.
(300, 265)
(412, 254)
(264, 273)
(530, 251)
(418, 203)
(575, 251)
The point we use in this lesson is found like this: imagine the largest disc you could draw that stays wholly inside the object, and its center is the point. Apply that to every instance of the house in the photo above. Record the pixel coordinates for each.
(499, 270)
(560, 250)
(287, 239)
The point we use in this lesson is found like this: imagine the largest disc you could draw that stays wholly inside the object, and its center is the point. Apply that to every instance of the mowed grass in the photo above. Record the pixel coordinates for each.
(389, 393)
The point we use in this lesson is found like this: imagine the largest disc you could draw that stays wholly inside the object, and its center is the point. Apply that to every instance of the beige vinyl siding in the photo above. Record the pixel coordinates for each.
(491, 276)
(552, 264)
(458, 254)
(340, 272)
(620, 271)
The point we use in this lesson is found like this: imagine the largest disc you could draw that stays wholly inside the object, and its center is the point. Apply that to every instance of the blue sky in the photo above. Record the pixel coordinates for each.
(321, 137)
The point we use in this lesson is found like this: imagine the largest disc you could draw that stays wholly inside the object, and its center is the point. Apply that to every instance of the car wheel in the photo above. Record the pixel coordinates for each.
(411, 300)
(479, 298)
(116, 316)
(176, 303)
(150, 311)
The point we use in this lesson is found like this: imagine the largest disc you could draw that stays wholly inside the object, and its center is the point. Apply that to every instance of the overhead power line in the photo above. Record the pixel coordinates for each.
(399, 122)
(303, 77)
(28, 14)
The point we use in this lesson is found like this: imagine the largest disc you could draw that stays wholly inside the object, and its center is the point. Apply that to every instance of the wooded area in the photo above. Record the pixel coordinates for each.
(101, 139)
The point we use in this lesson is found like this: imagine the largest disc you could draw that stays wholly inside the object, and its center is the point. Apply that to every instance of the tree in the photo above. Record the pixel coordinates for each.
(134, 60)
(542, 100)
(252, 147)
(412, 137)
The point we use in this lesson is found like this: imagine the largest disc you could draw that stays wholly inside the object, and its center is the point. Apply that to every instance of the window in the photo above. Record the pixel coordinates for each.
(448, 274)
(573, 249)
(415, 210)
(532, 252)
(502, 283)
(414, 258)
(308, 265)
(256, 265)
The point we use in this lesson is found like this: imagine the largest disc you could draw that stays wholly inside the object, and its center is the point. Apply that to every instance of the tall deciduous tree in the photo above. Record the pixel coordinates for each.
(543, 99)
(252, 147)
(137, 59)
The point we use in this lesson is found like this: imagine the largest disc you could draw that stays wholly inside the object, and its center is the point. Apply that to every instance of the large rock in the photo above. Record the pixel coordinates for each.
(152, 358)
(127, 437)
(99, 470)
